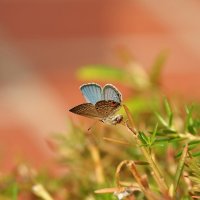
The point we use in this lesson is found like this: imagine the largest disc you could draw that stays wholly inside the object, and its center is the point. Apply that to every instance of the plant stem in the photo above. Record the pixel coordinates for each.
(143, 185)
(157, 175)
(97, 161)
(180, 168)
(188, 136)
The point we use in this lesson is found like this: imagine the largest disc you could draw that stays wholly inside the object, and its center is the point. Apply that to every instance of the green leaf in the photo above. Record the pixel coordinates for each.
(196, 123)
(139, 104)
(189, 124)
(196, 154)
(167, 107)
(144, 139)
(100, 72)
(161, 140)
(178, 154)
(180, 167)
(162, 121)
(194, 142)
(157, 67)
(169, 111)
(153, 137)
(167, 131)
(176, 139)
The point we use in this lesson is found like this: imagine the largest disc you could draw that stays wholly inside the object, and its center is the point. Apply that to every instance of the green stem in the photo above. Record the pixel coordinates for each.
(157, 175)
(180, 168)
(188, 136)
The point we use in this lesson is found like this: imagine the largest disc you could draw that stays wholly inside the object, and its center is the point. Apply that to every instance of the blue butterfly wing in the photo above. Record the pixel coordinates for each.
(111, 93)
(92, 92)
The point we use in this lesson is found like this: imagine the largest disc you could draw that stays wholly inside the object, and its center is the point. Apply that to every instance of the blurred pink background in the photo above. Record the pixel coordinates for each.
(42, 43)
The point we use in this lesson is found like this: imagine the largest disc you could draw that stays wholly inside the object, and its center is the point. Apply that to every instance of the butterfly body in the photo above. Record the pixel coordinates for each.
(102, 103)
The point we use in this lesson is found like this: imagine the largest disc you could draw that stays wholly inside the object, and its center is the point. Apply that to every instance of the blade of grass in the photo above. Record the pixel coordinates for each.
(169, 111)
(180, 168)
(153, 137)
(194, 142)
(196, 154)
(143, 138)
(162, 121)
(189, 120)
(167, 106)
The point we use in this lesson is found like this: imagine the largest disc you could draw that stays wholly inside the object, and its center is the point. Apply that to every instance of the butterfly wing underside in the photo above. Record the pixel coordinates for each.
(86, 109)
(107, 108)
(111, 93)
(92, 92)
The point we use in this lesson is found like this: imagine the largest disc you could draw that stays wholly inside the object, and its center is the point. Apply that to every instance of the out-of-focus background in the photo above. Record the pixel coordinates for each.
(43, 43)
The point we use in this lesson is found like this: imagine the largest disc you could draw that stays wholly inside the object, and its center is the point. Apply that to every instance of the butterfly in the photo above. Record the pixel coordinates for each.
(102, 103)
